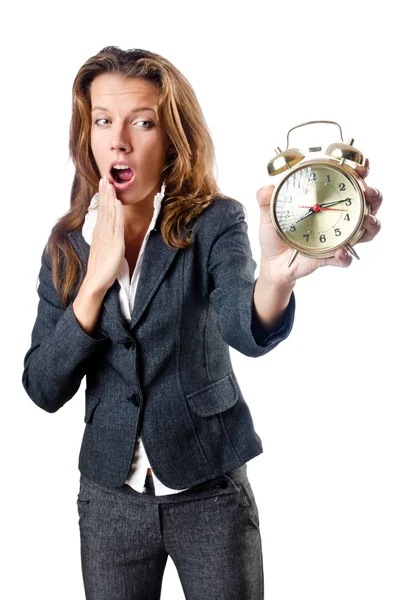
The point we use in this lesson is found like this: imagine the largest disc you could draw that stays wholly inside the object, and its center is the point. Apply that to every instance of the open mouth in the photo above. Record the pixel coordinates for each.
(121, 175)
(122, 178)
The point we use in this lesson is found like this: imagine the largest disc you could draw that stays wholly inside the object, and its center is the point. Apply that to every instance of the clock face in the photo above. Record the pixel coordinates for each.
(317, 207)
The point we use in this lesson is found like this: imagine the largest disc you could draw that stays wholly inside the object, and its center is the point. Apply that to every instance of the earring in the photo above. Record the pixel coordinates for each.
(163, 187)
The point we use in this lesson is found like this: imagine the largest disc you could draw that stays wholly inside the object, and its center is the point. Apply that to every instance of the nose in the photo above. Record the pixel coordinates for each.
(120, 140)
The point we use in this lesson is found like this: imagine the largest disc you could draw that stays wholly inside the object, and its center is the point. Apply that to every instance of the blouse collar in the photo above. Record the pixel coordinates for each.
(92, 212)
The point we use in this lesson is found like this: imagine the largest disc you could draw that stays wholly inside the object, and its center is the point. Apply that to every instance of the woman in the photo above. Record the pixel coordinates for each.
(145, 283)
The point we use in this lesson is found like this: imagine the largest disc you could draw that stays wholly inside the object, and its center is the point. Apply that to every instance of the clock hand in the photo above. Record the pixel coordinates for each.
(318, 207)
(326, 204)
(307, 214)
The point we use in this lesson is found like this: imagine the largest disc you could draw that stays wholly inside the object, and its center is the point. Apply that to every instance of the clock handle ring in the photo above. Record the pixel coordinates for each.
(311, 123)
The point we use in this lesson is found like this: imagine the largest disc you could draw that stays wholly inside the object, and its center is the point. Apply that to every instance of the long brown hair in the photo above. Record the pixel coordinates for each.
(189, 172)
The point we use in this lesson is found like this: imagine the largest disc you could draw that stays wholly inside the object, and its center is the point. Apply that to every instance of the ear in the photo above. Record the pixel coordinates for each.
(171, 149)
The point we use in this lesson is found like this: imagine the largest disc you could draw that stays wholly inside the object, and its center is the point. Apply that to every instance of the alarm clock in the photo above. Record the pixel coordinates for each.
(318, 204)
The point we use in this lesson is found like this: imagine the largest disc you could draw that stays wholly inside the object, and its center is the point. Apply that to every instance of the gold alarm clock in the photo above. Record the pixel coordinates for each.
(319, 204)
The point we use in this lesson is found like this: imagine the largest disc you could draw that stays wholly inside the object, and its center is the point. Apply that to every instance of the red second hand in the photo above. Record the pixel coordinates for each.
(316, 208)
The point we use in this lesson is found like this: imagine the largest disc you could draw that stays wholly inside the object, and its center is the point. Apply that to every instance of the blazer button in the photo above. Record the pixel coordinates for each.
(135, 399)
(128, 343)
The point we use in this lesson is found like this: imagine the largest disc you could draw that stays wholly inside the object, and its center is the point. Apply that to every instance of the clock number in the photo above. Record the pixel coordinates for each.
(338, 232)
(347, 217)
(329, 179)
(342, 187)
(292, 228)
(306, 235)
(313, 177)
(348, 202)
(286, 214)
(323, 238)
(288, 199)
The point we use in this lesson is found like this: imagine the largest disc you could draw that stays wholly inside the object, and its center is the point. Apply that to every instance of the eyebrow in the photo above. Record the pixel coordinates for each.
(134, 110)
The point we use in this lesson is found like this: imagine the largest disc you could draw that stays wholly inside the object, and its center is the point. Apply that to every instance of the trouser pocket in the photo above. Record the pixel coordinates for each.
(247, 502)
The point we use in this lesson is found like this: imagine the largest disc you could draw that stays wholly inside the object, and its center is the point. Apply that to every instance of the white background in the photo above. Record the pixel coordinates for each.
(324, 401)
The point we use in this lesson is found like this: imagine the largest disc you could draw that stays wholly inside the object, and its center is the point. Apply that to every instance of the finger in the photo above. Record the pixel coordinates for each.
(341, 258)
(118, 219)
(101, 202)
(364, 170)
(374, 198)
(263, 196)
(372, 226)
(110, 202)
(105, 206)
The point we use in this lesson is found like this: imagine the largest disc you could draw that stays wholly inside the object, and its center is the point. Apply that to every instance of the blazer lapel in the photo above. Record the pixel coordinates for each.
(157, 258)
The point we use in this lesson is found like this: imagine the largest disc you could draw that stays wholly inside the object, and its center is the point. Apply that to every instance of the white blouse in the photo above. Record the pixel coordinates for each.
(137, 474)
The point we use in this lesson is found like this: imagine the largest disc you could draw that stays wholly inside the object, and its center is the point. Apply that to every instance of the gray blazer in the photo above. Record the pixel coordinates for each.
(165, 375)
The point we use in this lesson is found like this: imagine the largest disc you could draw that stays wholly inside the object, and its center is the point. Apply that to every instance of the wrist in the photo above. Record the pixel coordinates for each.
(88, 289)
(271, 299)
(274, 279)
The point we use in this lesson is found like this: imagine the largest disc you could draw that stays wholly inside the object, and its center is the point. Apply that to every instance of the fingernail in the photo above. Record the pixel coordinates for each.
(373, 219)
(374, 192)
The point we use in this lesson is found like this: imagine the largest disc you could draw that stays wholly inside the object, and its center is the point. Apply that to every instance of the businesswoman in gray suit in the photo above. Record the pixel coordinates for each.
(144, 285)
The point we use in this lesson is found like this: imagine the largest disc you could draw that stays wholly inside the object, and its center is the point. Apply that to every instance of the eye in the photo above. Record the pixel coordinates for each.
(149, 125)
(97, 121)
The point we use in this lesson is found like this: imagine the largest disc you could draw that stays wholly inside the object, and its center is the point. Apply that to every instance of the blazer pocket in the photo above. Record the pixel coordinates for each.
(215, 397)
(91, 402)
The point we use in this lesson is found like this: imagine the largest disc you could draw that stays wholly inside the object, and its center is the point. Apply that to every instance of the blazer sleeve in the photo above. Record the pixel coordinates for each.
(233, 270)
(56, 360)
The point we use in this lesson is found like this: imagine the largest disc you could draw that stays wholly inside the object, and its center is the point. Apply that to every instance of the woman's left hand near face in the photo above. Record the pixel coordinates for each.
(277, 253)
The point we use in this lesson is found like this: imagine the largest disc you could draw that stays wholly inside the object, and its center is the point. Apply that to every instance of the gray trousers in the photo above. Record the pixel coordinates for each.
(211, 532)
